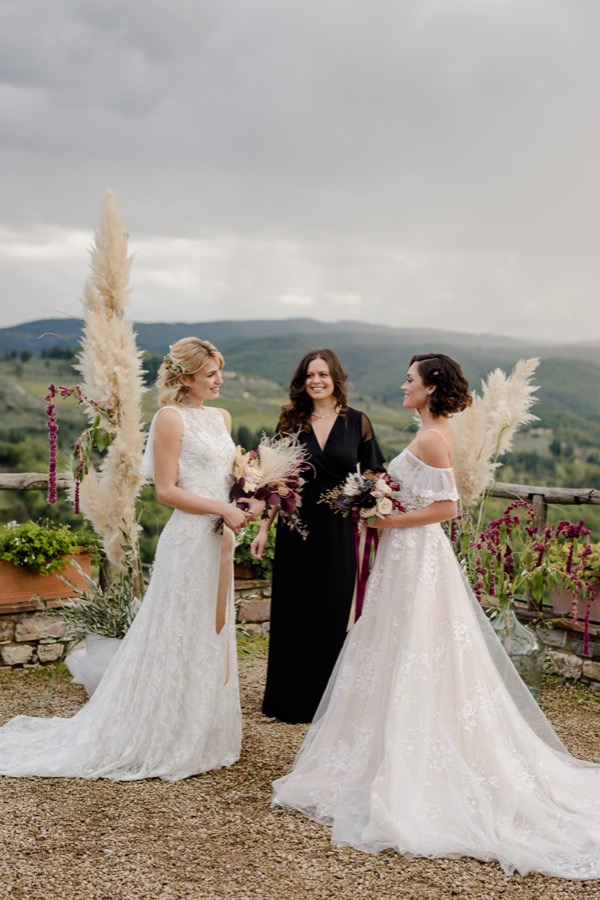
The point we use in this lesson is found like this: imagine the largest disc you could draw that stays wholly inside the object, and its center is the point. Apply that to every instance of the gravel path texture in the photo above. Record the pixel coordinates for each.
(215, 835)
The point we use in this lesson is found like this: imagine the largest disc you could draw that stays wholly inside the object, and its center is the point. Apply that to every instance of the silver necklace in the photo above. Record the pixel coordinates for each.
(326, 416)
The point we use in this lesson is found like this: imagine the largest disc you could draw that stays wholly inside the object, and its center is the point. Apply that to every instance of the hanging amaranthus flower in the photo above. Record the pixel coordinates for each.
(93, 438)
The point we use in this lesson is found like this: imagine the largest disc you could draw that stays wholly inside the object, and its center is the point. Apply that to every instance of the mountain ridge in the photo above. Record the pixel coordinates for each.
(37, 334)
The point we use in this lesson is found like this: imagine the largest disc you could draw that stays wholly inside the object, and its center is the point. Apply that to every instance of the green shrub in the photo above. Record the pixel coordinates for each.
(106, 610)
(41, 546)
(592, 564)
(262, 568)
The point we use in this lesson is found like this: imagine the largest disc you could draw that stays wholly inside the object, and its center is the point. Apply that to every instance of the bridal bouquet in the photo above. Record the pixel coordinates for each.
(365, 496)
(272, 473)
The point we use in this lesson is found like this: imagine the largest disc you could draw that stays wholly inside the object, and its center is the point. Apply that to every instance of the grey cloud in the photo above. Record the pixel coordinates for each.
(370, 135)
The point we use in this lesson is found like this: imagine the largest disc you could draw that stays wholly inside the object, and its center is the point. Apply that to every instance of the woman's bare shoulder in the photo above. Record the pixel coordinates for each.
(435, 447)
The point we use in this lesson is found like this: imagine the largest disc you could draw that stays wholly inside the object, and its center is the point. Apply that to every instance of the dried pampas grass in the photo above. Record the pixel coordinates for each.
(111, 366)
(485, 431)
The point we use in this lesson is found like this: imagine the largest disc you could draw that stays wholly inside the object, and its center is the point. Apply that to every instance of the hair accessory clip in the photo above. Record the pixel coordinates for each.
(173, 365)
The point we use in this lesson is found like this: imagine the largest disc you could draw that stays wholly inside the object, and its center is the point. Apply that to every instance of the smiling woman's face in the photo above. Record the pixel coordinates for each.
(318, 382)
(205, 384)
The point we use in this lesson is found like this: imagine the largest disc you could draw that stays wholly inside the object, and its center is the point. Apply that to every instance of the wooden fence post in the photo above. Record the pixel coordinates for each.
(540, 508)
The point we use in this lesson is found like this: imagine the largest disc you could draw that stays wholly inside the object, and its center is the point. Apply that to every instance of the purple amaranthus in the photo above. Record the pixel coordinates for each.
(92, 437)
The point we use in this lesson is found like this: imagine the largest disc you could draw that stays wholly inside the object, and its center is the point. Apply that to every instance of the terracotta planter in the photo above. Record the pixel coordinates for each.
(243, 571)
(21, 589)
(562, 603)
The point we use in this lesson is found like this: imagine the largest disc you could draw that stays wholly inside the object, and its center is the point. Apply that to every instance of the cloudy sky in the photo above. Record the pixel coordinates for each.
(403, 162)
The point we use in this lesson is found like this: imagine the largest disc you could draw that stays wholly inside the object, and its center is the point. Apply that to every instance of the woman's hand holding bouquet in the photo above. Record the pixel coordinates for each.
(365, 497)
(270, 477)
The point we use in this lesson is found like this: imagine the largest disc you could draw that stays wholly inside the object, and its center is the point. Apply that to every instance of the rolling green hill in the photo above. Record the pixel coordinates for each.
(375, 356)
(560, 449)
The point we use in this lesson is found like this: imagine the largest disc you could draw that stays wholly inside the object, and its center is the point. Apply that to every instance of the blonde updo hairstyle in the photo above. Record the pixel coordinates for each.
(185, 357)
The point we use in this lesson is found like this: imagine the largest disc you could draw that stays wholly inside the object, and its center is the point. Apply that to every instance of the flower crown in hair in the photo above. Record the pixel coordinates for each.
(177, 368)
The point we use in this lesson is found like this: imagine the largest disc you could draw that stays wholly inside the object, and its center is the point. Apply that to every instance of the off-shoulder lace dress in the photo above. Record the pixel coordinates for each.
(426, 739)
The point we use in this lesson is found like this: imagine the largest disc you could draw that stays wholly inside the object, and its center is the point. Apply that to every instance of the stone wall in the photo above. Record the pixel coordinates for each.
(253, 606)
(30, 637)
(564, 653)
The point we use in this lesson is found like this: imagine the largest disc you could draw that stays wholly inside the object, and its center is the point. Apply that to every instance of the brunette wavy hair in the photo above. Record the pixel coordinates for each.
(295, 415)
(451, 394)
(185, 357)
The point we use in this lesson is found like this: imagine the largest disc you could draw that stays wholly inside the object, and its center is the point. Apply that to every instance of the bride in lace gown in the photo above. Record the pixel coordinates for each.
(168, 704)
(426, 739)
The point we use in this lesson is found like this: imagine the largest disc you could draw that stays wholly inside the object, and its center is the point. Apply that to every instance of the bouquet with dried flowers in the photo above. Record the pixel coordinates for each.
(272, 473)
(364, 496)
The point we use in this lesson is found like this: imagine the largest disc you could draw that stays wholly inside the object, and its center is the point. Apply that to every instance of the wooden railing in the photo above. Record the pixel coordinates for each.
(540, 497)
(31, 481)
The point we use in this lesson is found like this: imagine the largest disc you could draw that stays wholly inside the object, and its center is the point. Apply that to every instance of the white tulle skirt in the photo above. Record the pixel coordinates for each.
(428, 742)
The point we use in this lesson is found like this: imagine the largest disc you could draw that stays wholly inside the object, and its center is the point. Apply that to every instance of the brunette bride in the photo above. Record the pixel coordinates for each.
(420, 743)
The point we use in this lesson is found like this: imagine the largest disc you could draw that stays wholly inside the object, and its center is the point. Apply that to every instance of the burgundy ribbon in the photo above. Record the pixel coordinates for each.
(363, 566)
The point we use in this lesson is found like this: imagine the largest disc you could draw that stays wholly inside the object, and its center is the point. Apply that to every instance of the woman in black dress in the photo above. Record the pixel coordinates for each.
(314, 578)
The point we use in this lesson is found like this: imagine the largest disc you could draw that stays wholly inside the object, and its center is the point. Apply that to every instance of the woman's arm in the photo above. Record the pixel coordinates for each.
(440, 511)
(168, 432)
(257, 547)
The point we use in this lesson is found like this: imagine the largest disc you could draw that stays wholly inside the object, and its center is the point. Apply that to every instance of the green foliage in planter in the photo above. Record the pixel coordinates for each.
(108, 611)
(586, 561)
(513, 557)
(262, 568)
(41, 546)
(592, 565)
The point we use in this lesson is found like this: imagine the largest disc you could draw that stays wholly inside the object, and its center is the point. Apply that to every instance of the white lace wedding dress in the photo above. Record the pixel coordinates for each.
(168, 704)
(426, 740)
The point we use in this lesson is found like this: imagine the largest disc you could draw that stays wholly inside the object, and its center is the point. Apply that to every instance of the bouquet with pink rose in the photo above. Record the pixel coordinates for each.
(365, 497)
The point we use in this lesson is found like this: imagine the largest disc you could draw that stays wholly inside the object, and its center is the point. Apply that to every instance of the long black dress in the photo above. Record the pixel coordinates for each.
(313, 579)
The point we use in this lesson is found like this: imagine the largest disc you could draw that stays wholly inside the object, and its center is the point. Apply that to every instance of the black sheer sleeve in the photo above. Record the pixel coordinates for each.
(369, 452)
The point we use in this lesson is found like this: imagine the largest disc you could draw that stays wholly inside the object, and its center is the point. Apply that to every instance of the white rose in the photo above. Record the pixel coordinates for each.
(383, 487)
(385, 506)
(367, 513)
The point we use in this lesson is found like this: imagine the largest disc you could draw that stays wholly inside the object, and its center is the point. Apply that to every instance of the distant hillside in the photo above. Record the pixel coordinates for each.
(156, 336)
(375, 356)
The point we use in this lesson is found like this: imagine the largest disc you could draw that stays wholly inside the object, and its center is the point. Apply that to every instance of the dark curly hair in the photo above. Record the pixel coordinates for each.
(296, 414)
(451, 393)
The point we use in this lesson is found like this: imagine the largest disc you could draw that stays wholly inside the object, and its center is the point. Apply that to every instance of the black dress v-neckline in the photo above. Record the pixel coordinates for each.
(329, 433)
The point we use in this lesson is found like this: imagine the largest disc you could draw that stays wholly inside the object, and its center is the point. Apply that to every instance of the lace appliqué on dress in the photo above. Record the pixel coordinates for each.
(426, 740)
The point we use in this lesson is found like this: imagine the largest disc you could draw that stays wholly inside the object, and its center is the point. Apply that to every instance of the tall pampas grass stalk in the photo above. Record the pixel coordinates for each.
(485, 430)
(111, 367)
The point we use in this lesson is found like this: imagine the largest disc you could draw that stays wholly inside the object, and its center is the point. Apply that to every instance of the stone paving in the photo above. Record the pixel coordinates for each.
(215, 836)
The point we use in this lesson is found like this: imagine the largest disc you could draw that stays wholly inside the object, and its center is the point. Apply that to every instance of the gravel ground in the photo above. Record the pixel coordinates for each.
(215, 836)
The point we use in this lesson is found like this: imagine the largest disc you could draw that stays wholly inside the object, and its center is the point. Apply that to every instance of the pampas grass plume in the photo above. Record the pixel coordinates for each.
(111, 366)
(485, 431)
